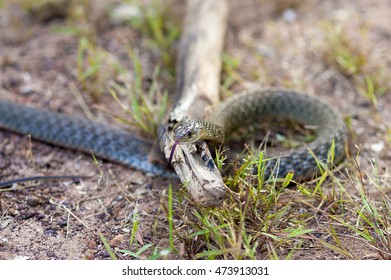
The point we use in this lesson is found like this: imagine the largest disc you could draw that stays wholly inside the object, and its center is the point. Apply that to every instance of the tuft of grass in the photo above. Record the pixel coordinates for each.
(156, 253)
(170, 218)
(160, 30)
(229, 73)
(135, 223)
(267, 219)
(341, 51)
(372, 87)
(373, 215)
(146, 108)
(80, 21)
(95, 67)
(245, 223)
(347, 48)
(99, 72)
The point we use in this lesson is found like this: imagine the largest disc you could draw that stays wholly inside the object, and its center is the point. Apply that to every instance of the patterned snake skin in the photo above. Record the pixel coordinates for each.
(305, 109)
(122, 147)
(79, 134)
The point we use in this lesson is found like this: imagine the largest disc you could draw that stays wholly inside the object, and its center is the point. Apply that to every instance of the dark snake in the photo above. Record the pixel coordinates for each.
(125, 148)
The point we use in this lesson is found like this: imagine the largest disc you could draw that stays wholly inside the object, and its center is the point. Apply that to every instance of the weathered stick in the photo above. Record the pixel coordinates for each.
(198, 71)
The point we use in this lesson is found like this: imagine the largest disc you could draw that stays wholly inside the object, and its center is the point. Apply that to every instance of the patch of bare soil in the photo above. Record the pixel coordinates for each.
(277, 44)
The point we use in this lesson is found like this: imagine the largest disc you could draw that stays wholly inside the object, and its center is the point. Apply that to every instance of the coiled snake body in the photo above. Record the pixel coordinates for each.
(243, 108)
(122, 147)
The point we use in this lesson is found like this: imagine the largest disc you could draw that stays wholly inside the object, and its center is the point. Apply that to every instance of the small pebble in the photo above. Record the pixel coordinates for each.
(102, 254)
(12, 211)
(9, 149)
(29, 214)
(51, 232)
(62, 223)
(89, 255)
(289, 15)
(116, 240)
(27, 90)
(51, 254)
(377, 147)
(92, 244)
(123, 13)
(40, 216)
(33, 201)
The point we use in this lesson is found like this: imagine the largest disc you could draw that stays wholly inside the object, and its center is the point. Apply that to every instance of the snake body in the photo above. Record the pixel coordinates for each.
(122, 147)
(244, 108)
(80, 134)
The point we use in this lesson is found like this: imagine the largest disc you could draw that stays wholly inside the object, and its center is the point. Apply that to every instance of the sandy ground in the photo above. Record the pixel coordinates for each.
(276, 44)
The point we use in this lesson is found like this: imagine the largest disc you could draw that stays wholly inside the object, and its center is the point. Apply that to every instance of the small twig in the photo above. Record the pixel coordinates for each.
(198, 79)
(81, 101)
(68, 225)
(30, 151)
(69, 212)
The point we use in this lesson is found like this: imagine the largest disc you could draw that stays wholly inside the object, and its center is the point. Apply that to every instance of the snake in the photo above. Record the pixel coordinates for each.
(79, 134)
(242, 109)
(126, 148)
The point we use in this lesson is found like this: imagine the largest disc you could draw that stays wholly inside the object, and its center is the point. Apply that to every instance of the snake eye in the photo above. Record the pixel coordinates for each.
(188, 133)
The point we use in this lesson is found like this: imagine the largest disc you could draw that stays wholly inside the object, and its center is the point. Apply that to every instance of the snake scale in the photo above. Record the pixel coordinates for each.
(122, 147)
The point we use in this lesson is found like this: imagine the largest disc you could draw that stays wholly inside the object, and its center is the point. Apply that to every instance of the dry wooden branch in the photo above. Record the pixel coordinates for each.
(199, 66)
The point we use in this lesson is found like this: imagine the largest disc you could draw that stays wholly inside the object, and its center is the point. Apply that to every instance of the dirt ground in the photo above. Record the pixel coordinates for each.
(278, 43)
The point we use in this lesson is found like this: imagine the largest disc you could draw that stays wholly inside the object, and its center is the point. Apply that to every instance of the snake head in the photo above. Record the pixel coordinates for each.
(187, 131)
